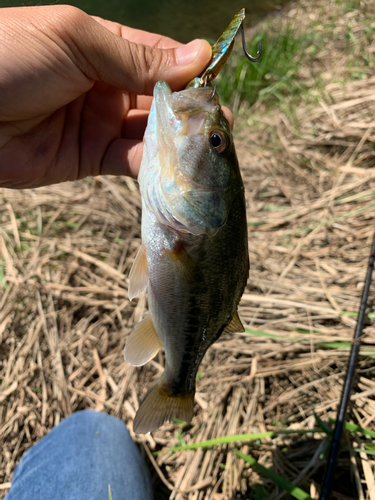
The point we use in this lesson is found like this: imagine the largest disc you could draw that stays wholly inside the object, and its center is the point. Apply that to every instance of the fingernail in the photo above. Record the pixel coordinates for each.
(187, 53)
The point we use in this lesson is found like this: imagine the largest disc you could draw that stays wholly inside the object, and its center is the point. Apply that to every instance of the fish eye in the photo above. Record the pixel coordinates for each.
(219, 140)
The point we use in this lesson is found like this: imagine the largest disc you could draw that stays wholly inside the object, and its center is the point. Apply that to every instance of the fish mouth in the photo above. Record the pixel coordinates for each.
(182, 117)
(165, 116)
(171, 108)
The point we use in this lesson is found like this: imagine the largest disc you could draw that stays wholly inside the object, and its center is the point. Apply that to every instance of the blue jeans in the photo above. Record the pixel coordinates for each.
(78, 459)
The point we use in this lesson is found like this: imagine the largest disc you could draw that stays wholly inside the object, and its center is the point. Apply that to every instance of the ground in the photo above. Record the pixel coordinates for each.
(65, 254)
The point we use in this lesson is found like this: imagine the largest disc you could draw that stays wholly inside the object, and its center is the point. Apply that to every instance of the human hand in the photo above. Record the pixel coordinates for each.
(74, 93)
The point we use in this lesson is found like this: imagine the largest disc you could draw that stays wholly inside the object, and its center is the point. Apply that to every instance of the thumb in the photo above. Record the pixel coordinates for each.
(105, 56)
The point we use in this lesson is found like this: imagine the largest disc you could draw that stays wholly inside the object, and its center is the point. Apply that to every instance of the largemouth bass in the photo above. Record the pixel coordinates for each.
(194, 256)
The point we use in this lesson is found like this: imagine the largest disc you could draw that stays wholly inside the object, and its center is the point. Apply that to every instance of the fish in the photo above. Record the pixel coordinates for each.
(194, 257)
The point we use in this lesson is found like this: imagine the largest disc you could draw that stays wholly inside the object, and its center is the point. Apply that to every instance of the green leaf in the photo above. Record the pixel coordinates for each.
(356, 428)
(238, 438)
(259, 333)
(323, 425)
(260, 492)
(71, 224)
(178, 421)
(365, 350)
(283, 483)
(361, 450)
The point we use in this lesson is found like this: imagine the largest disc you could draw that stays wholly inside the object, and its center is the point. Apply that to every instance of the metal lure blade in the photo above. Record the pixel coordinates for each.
(221, 50)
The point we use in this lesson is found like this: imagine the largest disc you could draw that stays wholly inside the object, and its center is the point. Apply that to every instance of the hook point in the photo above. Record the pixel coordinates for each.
(250, 57)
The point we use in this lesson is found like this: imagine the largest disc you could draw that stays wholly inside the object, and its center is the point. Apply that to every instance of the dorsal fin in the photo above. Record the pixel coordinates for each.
(138, 277)
(142, 344)
(235, 325)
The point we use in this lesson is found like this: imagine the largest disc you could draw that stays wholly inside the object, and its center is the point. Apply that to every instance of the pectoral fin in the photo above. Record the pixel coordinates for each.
(143, 343)
(235, 325)
(182, 262)
(138, 277)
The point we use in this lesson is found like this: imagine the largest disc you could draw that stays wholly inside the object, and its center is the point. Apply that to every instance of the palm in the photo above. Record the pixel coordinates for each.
(72, 100)
(92, 134)
(98, 131)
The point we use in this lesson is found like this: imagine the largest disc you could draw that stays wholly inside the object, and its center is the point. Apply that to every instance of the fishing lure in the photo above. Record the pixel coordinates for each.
(222, 49)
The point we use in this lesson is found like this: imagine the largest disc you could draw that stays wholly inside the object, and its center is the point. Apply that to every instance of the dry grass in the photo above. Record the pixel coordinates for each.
(64, 312)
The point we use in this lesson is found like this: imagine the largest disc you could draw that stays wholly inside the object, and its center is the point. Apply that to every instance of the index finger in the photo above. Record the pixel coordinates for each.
(139, 102)
(153, 40)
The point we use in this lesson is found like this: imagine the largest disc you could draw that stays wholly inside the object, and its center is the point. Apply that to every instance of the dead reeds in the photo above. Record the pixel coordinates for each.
(64, 312)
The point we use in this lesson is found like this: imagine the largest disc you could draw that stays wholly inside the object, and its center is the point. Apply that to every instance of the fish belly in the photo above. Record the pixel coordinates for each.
(195, 284)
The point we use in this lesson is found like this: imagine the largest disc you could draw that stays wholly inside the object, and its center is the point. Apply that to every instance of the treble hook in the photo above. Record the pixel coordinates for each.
(259, 52)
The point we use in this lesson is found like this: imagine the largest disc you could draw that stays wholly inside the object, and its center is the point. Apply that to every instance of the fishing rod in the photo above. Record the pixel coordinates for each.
(325, 493)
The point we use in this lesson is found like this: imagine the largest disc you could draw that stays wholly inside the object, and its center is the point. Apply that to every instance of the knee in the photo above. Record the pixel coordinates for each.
(94, 423)
(89, 418)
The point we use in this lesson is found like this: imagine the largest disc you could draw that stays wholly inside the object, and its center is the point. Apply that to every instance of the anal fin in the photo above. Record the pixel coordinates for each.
(142, 344)
(235, 325)
(138, 277)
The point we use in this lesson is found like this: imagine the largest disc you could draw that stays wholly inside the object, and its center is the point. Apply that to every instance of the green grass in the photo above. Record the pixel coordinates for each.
(342, 345)
(275, 76)
(350, 5)
(290, 62)
(281, 482)
(356, 428)
(239, 438)
(260, 333)
(260, 493)
(3, 280)
(365, 350)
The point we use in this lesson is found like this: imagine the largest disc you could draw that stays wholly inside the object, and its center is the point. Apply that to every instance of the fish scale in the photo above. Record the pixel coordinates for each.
(194, 255)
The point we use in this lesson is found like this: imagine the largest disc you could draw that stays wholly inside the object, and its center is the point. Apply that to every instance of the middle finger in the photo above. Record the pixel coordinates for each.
(134, 124)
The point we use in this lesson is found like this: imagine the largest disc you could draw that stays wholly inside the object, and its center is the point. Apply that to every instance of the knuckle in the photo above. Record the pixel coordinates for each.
(62, 19)
(148, 64)
(68, 15)
(151, 60)
(154, 64)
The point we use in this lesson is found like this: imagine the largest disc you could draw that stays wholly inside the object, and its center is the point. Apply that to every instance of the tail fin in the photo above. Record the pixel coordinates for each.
(158, 406)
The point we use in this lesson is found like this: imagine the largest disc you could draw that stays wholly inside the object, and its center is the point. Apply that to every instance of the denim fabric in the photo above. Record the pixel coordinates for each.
(78, 459)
